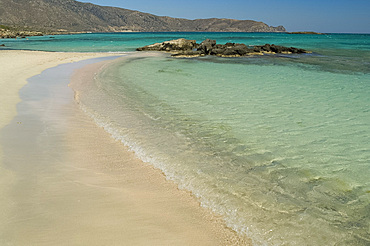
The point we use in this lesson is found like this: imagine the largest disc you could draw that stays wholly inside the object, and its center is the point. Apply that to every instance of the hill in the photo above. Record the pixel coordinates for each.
(74, 16)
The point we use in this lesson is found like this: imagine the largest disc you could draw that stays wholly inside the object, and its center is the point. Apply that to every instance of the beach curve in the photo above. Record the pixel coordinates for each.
(96, 191)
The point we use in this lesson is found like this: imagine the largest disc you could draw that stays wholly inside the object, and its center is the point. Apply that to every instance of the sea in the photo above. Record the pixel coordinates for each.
(279, 145)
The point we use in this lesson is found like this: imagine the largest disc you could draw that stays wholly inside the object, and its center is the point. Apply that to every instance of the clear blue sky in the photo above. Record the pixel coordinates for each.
(349, 16)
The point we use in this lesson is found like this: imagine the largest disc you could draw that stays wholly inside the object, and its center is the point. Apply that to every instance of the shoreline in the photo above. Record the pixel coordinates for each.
(16, 68)
(93, 189)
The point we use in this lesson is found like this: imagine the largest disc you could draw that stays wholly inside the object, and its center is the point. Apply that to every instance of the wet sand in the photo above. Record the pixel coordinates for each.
(65, 181)
(15, 68)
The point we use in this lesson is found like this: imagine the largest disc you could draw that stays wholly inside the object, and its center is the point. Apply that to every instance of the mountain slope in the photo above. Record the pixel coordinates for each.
(74, 16)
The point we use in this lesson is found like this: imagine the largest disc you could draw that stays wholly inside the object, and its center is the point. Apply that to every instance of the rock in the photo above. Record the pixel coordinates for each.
(217, 51)
(206, 46)
(230, 44)
(173, 45)
(232, 50)
(151, 47)
(179, 44)
(267, 48)
(2, 45)
(189, 48)
(229, 53)
(242, 49)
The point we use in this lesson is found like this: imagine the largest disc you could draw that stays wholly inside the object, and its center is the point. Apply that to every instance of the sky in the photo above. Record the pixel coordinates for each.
(328, 16)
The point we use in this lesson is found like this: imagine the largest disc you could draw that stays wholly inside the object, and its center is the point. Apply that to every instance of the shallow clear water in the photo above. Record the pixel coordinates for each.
(281, 151)
(279, 145)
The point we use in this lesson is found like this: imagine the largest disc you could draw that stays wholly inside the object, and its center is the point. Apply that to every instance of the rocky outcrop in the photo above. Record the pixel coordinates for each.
(173, 45)
(189, 48)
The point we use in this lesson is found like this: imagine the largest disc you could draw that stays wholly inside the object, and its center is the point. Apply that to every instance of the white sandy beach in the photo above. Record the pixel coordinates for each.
(86, 188)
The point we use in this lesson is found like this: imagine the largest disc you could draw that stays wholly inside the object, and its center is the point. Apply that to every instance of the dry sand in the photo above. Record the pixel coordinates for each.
(67, 182)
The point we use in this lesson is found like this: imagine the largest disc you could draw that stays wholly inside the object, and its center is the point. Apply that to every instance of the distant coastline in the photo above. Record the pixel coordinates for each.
(22, 32)
(57, 16)
(315, 33)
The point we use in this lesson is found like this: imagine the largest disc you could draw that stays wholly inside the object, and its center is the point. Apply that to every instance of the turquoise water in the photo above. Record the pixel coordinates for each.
(278, 145)
(348, 52)
(113, 42)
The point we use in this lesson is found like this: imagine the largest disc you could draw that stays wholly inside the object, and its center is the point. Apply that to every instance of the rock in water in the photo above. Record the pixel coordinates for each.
(189, 48)
(206, 46)
(173, 45)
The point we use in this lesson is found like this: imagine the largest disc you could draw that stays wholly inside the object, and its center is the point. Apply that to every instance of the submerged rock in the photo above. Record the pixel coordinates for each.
(188, 53)
(189, 48)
